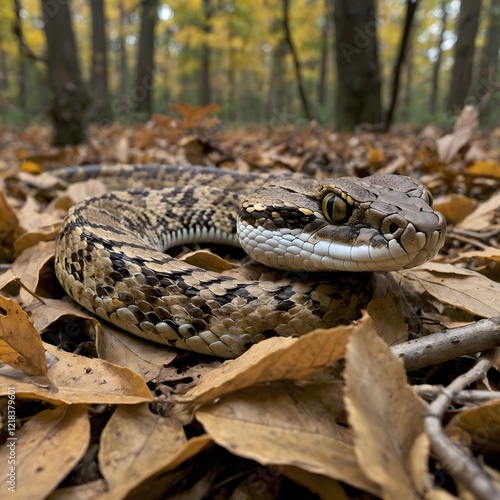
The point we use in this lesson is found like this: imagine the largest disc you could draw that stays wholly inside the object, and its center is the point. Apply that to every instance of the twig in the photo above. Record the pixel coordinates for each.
(469, 397)
(449, 344)
(460, 465)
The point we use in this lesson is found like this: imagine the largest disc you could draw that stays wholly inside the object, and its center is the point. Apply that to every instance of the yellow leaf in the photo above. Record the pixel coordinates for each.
(20, 343)
(485, 168)
(31, 167)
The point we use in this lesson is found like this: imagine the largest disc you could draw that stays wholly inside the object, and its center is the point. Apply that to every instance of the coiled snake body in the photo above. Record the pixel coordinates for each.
(110, 252)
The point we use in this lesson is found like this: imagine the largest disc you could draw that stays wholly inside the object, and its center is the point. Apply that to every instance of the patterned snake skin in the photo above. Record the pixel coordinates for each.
(110, 252)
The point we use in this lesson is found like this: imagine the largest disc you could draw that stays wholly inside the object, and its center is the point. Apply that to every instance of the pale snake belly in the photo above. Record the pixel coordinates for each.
(110, 252)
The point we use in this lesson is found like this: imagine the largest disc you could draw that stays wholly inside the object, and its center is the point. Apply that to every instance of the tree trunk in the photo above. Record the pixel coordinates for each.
(323, 61)
(143, 90)
(122, 60)
(411, 7)
(69, 96)
(277, 100)
(231, 73)
(358, 72)
(100, 108)
(437, 63)
(488, 69)
(461, 74)
(205, 85)
(296, 63)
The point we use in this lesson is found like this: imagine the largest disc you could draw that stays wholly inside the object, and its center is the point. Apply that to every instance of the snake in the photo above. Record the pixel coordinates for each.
(325, 238)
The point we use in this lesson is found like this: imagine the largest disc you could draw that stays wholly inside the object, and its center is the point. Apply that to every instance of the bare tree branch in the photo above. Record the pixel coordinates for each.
(17, 29)
(459, 464)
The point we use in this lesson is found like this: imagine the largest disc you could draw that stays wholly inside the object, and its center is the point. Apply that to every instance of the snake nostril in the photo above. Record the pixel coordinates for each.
(393, 228)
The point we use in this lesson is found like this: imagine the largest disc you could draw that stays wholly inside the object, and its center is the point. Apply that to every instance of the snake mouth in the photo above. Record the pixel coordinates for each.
(294, 250)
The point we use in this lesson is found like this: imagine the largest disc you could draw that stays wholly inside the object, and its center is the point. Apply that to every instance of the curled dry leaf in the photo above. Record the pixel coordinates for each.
(387, 418)
(286, 424)
(449, 145)
(208, 260)
(78, 380)
(458, 287)
(135, 444)
(20, 343)
(139, 355)
(482, 423)
(27, 269)
(47, 448)
(275, 359)
(455, 207)
(482, 219)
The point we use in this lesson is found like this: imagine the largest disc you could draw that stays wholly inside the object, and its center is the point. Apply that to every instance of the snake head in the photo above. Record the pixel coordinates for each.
(381, 223)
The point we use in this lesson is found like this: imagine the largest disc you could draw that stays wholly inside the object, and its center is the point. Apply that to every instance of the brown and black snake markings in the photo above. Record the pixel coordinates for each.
(110, 252)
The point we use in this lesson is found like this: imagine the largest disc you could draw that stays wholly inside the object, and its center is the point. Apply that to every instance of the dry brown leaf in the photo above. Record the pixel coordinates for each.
(141, 356)
(455, 207)
(136, 444)
(208, 260)
(387, 318)
(20, 344)
(458, 287)
(276, 358)
(44, 315)
(483, 216)
(27, 268)
(485, 168)
(449, 145)
(78, 380)
(387, 418)
(285, 424)
(488, 253)
(8, 219)
(193, 116)
(482, 423)
(47, 448)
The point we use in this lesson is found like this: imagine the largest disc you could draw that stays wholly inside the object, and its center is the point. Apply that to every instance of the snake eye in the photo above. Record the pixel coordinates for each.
(335, 209)
(430, 198)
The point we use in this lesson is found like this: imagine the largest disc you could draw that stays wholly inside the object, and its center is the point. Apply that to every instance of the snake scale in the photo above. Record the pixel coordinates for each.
(110, 253)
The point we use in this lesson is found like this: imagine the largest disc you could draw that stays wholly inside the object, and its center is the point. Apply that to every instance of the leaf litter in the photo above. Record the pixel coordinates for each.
(332, 413)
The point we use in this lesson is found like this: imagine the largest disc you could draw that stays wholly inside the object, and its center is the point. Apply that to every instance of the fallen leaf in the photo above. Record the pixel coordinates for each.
(141, 356)
(455, 207)
(458, 287)
(449, 145)
(276, 358)
(387, 418)
(77, 379)
(20, 344)
(27, 269)
(285, 424)
(46, 449)
(484, 168)
(135, 444)
(483, 217)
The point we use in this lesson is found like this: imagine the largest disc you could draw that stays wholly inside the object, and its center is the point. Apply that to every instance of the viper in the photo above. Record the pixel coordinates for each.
(323, 236)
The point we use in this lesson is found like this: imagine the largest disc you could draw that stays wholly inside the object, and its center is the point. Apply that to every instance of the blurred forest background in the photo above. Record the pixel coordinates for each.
(342, 63)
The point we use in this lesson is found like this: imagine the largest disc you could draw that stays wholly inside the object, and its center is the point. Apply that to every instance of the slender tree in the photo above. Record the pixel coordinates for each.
(461, 74)
(123, 84)
(358, 71)
(69, 96)
(143, 90)
(489, 67)
(296, 62)
(100, 108)
(411, 7)
(437, 63)
(323, 59)
(205, 84)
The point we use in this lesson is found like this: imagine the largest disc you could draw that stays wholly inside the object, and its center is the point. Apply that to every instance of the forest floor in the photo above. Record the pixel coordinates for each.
(90, 411)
